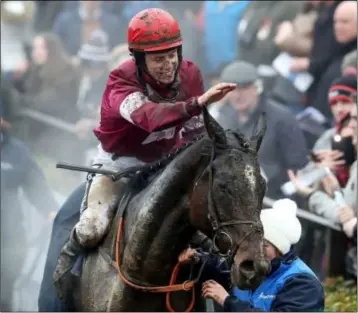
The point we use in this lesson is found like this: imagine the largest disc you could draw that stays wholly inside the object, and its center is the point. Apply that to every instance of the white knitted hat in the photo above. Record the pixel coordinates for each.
(281, 226)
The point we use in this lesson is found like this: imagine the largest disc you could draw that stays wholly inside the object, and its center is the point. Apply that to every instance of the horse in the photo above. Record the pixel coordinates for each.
(212, 185)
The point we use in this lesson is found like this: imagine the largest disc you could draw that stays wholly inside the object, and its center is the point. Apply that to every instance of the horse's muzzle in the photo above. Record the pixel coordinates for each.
(249, 274)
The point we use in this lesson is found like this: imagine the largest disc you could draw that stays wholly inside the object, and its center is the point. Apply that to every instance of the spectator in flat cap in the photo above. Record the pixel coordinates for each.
(284, 145)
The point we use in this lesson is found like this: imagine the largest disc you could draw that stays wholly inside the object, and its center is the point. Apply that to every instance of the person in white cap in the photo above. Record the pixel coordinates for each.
(290, 286)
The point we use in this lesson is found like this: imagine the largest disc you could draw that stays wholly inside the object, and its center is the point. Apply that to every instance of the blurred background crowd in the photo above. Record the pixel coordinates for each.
(296, 60)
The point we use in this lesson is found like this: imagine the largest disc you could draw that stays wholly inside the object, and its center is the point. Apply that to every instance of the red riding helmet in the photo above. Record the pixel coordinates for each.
(153, 30)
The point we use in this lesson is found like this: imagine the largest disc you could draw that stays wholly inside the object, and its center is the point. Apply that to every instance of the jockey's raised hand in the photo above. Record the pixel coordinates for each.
(215, 93)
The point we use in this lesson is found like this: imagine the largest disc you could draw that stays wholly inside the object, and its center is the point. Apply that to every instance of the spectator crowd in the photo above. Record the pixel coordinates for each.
(294, 60)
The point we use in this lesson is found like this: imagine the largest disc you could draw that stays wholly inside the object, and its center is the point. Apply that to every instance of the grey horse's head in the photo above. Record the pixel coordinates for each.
(236, 190)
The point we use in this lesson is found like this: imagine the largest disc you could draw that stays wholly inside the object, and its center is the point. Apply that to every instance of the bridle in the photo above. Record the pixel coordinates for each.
(218, 230)
(220, 226)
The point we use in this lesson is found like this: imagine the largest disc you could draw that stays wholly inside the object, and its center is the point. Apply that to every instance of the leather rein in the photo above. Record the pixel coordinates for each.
(218, 229)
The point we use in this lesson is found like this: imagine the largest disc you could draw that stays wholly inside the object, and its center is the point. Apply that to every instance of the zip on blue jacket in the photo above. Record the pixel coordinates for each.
(291, 286)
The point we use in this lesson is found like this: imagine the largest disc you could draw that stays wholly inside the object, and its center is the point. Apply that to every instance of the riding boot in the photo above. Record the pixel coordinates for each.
(96, 213)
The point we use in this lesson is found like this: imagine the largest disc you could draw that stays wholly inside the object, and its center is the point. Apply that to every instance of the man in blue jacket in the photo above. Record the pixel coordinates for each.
(291, 286)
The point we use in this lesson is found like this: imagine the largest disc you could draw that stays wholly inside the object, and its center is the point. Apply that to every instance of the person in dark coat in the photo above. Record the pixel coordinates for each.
(284, 145)
(290, 286)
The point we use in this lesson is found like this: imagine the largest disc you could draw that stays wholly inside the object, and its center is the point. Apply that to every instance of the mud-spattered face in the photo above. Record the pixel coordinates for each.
(162, 66)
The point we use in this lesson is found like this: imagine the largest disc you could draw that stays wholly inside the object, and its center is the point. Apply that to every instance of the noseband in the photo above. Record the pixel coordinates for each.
(213, 216)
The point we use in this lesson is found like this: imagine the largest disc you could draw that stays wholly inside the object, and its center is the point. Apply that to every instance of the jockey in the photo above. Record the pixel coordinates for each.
(151, 105)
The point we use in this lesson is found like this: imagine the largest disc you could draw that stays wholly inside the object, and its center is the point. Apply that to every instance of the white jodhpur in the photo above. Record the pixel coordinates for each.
(102, 200)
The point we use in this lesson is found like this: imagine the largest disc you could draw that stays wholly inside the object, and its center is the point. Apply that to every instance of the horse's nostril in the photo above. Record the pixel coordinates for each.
(247, 267)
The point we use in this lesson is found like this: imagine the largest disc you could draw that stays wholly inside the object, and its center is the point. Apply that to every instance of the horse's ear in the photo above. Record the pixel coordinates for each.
(213, 128)
(259, 131)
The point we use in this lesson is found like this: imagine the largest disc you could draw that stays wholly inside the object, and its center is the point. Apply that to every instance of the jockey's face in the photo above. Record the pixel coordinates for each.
(162, 66)
(39, 51)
